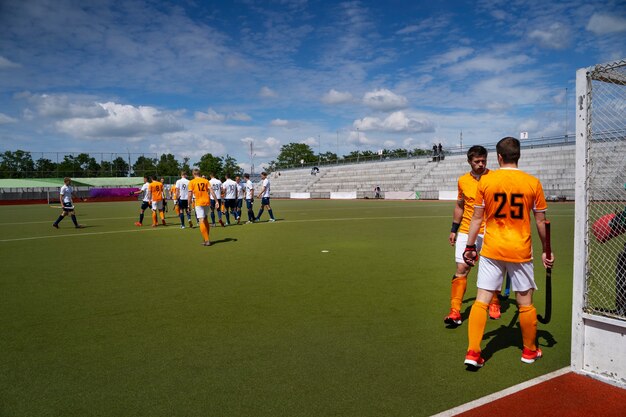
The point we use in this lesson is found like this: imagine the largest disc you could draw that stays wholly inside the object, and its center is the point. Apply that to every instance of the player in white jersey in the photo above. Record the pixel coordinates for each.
(216, 185)
(166, 194)
(264, 195)
(240, 192)
(67, 204)
(182, 185)
(249, 195)
(145, 201)
(229, 188)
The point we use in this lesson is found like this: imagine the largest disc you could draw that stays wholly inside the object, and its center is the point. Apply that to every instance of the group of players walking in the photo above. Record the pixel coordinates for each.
(205, 197)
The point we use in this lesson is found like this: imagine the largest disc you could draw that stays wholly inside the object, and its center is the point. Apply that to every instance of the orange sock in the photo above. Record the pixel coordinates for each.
(459, 285)
(177, 210)
(528, 324)
(162, 215)
(476, 326)
(154, 218)
(204, 230)
(495, 300)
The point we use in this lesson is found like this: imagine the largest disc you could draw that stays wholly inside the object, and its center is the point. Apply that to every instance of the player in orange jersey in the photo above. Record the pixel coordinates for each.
(200, 189)
(504, 199)
(174, 197)
(155, 194)
(463, 211)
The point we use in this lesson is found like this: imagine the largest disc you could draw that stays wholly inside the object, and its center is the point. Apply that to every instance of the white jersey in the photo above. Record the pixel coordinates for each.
(266, 184)
(182, 185)
(230, 189)
(66, 194)
(144, 189)
(217, 187)
(239, 191)
(249, 190)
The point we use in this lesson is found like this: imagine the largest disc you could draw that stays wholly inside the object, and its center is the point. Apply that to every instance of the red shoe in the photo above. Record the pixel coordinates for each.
(494, 311)
(163, 223)
(530, 356)
(454, 318)
(222, 223)
(138, 224)
(474, 359)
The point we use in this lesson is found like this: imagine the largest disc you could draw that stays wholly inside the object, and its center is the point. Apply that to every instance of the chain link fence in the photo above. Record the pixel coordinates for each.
(605, 286)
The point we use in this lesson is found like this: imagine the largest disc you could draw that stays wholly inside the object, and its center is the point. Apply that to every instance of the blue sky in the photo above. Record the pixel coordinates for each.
(191, 77)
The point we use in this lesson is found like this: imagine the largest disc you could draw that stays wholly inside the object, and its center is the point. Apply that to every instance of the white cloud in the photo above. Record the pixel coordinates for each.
(239, 116)
(211, 116)
(4, 119)
(602, 24)
(180, 143)
(6, 63)
(121, 121)
(389, 144)
(336, 97)
(555, 36)
(398, 121)
(489, 63)
(267, 92)
(64, 106)
(452, 56)
(279, 123)
(385, 100)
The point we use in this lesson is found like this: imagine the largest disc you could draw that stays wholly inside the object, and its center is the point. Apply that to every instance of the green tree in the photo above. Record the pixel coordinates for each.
(120, 167)
(210, 164)
(144, 166)
(231, 167)
(328, 157)
(293, 153)
(18, 164)
(168, 165)
(185, 166)
(46, 168)
(421, 152)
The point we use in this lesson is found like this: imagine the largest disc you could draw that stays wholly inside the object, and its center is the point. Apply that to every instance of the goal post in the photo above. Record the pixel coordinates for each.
(599, 290)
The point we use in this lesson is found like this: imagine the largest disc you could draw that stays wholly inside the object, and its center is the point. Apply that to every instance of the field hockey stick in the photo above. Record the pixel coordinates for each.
(546, 319)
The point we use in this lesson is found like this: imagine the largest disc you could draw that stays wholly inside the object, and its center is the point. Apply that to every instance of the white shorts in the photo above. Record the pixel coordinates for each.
(157, 205)
(492, 271)
(201, 211)
(461, 242)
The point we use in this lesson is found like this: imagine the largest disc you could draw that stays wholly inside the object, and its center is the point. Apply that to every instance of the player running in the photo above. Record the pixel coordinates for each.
(264, 195)
(463, 210)
(200, 189)
(505, 198)
(65, 194)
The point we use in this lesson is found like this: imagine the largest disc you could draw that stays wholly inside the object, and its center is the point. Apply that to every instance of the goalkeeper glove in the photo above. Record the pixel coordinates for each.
(470, 256)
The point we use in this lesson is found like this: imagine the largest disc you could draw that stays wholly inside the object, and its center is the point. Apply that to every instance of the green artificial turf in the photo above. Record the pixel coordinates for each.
(335, 310)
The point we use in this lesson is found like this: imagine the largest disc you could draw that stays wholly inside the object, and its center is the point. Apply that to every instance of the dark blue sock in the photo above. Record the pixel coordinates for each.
(59, 220)
(182, 218)
(74, 220)
(259, 215)
(213, 217)
(141, 218)
(271, 214)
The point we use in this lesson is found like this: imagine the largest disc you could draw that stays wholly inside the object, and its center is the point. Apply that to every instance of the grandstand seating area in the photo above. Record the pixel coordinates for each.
(554, 166)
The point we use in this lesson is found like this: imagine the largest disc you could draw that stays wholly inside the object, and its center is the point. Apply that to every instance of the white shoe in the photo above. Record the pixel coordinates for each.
(182, 227)
(272, 220)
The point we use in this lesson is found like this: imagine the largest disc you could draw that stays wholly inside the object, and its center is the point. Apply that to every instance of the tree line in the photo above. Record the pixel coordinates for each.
(298, 154)
(20, 164)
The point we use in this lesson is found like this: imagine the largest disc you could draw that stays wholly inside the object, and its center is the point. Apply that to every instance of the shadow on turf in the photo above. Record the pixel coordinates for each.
(226, 240)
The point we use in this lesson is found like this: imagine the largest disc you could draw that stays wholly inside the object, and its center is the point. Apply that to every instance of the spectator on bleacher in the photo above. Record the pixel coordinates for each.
(377, 192)
(435, 153)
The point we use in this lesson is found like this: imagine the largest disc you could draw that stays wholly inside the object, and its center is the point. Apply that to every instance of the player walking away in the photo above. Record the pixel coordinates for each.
(200, 189)
(229, 191)
(166, 193)
(240, 192)
(145, 202)
(504, 199)
(463, 211)
(182, 187)
(216, 185)
(264, 195)
(67, 204)
(249, 193)
(155, 194)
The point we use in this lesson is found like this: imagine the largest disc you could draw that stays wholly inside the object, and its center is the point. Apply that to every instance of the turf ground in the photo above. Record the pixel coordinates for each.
(119, 320)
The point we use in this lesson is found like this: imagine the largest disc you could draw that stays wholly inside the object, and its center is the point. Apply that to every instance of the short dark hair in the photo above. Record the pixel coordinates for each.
(264, 173)
(509, 149)
(475, 151)
(247, 176)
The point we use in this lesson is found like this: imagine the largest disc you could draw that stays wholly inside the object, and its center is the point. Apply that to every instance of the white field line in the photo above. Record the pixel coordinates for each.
(501, 394)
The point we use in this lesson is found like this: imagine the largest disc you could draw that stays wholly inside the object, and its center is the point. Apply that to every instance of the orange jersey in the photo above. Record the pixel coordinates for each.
(173, 192)
(156, 191)
(200, 189)
(467, 186)
(508, 195)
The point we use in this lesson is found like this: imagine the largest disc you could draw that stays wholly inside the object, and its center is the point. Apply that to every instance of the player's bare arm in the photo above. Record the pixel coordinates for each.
(540, 220)
(471, 255)
(457, 217)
